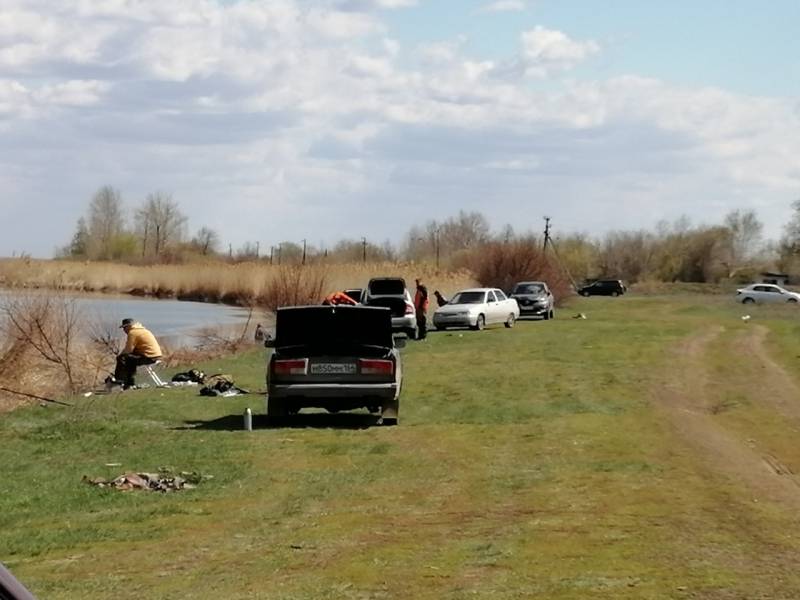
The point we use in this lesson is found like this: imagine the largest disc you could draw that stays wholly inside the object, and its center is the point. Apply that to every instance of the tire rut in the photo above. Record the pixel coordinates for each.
(685, 401)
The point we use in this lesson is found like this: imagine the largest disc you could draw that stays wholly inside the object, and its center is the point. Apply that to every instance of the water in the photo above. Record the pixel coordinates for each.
(173, 321)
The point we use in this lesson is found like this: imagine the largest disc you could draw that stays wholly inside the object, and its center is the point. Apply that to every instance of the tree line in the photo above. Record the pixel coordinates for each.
(157, 232)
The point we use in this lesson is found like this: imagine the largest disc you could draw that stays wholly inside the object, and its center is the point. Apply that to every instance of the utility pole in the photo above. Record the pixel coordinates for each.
(436, 242)
(363, 249)
(549, 241)
(258, 250)
(546, 233)
(230, 250)
(271, 252)
(304, 250)
(279, 252)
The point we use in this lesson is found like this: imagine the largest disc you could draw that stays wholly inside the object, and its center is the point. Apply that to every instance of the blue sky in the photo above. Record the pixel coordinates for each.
(276, 120)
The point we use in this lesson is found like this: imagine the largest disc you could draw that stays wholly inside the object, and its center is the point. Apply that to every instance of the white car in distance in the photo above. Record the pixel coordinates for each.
(476, 308)
(766, 293)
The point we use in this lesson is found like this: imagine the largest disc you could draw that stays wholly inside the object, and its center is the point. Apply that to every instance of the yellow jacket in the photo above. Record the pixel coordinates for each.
(142, 342)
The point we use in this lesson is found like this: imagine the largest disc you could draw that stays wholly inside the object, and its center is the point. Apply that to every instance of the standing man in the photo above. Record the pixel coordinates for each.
(421, 308)
(141, 348)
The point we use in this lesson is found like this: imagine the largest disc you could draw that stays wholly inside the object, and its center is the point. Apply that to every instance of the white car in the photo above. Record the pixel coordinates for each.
(766, 292)
(476, 308)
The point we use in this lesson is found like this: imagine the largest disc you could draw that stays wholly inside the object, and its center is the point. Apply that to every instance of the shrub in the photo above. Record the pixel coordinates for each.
(502, 265)
(293, 286)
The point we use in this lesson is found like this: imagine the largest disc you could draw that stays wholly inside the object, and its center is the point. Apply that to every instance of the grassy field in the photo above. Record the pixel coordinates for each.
(648, 451)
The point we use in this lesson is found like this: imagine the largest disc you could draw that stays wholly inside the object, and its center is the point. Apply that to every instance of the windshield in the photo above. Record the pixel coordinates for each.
(529, 288)
(469, 298)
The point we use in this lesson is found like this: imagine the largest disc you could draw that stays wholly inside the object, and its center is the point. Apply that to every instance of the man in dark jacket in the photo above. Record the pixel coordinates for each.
(421, 309)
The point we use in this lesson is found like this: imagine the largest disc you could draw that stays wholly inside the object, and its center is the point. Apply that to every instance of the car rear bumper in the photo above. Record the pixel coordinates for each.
(382, 391)
(403, 323)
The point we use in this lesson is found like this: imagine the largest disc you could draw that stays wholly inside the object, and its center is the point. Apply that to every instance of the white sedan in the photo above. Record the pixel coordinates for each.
(766, 292)
(476, 308)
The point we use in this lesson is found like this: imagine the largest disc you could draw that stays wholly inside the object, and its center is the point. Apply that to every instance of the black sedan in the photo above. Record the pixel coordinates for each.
(336, 358)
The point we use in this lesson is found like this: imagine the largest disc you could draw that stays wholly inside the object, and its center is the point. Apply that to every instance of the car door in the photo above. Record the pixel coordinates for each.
(492, 308)
(504, 307)
(772, 294)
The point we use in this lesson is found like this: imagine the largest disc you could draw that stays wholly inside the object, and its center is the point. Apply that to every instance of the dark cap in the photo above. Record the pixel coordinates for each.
(126, 322)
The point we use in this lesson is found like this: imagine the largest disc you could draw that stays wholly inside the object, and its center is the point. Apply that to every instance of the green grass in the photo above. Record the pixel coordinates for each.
(529, 463)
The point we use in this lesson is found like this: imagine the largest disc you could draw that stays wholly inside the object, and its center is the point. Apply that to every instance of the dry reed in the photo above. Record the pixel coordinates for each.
(213, 281)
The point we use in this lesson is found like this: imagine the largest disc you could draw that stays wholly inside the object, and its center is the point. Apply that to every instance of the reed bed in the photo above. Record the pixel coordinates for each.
(214, 281)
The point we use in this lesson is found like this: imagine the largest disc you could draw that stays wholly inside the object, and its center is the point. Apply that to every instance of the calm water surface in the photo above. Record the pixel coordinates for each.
(171, 320)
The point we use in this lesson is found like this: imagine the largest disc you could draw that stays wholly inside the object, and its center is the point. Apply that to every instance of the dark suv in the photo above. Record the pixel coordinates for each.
(603, 287)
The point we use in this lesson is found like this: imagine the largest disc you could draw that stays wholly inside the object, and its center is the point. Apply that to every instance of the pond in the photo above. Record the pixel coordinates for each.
(173, 321)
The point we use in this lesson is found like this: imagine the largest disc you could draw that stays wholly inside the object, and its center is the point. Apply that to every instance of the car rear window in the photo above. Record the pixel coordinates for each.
(386, 287)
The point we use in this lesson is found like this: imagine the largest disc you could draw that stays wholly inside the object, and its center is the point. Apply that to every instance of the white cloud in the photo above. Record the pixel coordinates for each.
(314, 122)
(504, 6)
(545, 51)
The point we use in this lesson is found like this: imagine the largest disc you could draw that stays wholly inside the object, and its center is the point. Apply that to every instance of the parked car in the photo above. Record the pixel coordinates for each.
(391, 292)
(603, 287)
(476, 308)
(534, 298)
(336, 358)
(766, 293)
(355, 293)
(11, 588)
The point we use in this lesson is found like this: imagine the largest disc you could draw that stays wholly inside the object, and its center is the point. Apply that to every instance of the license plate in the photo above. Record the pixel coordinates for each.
(333, 368)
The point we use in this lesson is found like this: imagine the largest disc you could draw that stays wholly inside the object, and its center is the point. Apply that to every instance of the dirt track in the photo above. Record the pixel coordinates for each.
(688, 399)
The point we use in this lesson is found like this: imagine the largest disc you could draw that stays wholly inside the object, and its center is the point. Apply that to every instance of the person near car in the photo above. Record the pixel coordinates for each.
(336, 298)
(258, 336)
(440, 300)
(421, 309)
(141, 348)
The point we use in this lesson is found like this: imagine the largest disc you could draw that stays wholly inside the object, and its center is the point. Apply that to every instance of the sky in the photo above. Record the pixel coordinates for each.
(283, 120)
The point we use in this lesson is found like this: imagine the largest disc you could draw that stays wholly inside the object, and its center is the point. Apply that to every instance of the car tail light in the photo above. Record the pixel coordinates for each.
(369, 366)
(294, 366)
(409, 309)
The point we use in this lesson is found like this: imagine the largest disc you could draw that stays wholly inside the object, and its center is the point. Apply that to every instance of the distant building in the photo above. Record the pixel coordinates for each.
(775, 278)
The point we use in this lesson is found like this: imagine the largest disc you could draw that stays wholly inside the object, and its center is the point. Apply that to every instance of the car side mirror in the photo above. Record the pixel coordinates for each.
(269, 342)
(400, 341)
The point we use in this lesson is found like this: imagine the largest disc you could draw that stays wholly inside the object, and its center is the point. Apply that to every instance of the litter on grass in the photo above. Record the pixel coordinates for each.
(164, 481)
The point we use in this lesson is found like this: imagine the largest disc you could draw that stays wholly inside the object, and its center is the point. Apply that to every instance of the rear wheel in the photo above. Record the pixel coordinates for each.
(480, 323)
(615, 293)
(792, 301)
(510, 321)
(276, 408)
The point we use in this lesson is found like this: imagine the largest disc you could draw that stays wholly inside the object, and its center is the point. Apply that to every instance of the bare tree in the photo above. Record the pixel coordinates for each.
(106, 222)
(160, 223)
(206, 241)
(745, 234)
(48, 324)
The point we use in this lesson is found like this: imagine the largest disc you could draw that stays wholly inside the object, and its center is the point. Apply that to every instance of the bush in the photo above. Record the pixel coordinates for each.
(293, 286)
(502, 265)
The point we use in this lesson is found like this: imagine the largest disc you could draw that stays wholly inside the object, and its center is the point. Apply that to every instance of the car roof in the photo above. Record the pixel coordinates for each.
(477, 290)
(530, 282)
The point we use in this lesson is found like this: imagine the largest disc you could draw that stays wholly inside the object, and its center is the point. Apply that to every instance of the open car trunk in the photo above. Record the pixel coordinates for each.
(397, 305)
(333, 328)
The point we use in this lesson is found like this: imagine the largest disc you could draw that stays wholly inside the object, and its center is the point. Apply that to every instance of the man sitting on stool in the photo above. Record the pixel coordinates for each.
(141, 348)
